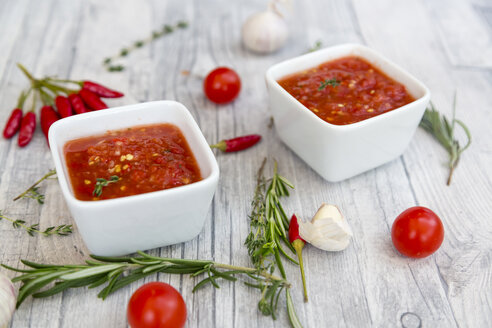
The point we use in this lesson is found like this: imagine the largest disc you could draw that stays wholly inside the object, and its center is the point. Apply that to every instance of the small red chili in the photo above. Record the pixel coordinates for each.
(92, 100)
(298, 244)
(237, 144)
(27, 128)
(63, 106)
(48, 117)
(13, 123)
(101, 90)
(77, 104)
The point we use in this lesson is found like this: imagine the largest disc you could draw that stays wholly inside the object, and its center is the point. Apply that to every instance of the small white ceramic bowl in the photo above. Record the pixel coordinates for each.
(338, 152)
(124, 225)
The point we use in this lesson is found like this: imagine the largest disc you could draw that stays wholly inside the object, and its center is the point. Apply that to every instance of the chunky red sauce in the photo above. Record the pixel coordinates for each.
(357, 91)
(143, 158)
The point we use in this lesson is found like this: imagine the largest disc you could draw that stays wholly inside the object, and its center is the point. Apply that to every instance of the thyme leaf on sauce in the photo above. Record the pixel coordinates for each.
(101, 183)
(333, 82)
(443, 131)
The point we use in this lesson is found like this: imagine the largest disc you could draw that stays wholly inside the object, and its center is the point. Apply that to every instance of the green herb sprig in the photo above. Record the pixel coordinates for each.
(317, 45)
(443, 131)
(124, 52)
(117, 272)
(33, 191)
(61, 230)
(101, 183)
(269, 226)
(333, 82)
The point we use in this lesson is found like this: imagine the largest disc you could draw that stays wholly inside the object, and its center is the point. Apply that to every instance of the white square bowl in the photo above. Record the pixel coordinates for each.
(124, 225)
(338, 152)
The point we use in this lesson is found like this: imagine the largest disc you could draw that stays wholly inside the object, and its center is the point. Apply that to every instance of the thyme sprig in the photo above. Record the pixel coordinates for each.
(443, 131)
(268, 227)
(124, 52)
(33, 191)
(101, 183)
(333, 82)
(61, 230)
(117, 272)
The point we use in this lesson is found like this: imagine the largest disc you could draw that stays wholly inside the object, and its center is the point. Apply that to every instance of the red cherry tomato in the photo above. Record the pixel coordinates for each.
(417, 232)
(222, 85)
(156, 305)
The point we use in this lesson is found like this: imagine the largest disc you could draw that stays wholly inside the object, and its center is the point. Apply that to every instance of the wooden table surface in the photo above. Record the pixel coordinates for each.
(445, 44)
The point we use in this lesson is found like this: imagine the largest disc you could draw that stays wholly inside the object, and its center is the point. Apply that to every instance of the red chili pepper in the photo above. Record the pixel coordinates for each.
(48, 117)
(298, 244)
(63, 106)
(27, 128)
(92, 100)
(100, 90)
(237, 144)
(77, 104)
(13, 123)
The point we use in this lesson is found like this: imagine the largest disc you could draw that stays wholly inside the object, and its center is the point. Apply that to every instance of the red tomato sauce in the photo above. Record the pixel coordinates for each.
(144, 158)
(359, 91)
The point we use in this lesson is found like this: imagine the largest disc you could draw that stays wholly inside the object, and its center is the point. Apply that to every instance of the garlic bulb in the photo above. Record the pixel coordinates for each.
(264, 32)
(7, 300)
(328, 230)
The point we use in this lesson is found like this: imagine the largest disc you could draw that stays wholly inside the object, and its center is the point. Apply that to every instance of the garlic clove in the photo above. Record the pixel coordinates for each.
(328, 230)
(264, 32)
(7, 300)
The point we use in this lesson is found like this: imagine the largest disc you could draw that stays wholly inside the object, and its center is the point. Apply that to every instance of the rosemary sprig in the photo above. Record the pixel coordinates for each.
(101, 183)
(33, 191)
(117, 272)
(61, 230)
(333, 82)
(124, 52)
(268, 226)
(443, 131)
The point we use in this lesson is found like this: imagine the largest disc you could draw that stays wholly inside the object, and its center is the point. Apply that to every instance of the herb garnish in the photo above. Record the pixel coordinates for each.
(117, 272)
(317, 45)
(166, 29)
(269, 224)
(333, 82)
(443, 131)
(33, 191)
(100, 183)
(61, 230)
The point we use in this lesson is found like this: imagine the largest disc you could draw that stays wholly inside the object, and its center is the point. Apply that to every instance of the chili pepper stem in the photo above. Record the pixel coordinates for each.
(26, 72)
(221, 145)
(298, 246)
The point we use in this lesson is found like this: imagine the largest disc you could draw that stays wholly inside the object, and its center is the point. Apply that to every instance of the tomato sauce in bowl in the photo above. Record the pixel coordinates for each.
(143, 158)
(346, 90)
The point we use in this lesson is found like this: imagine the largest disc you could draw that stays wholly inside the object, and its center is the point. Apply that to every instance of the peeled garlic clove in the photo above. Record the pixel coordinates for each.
(7, 300)
(264, 32)
(328, 230)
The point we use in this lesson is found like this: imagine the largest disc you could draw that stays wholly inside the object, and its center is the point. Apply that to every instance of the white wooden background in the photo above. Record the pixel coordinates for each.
(445, 43)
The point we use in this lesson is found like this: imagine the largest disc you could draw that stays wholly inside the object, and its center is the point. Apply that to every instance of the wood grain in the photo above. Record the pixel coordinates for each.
(445, 44)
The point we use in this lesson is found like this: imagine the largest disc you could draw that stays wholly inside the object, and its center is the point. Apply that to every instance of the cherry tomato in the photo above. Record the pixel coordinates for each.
(222, 85)
(417, 232)
(156, 305)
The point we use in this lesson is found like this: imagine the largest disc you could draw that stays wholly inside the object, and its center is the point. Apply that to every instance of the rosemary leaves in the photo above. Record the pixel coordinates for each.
(124, 52)
(443, 131)
(268, 227)
(118, 272)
